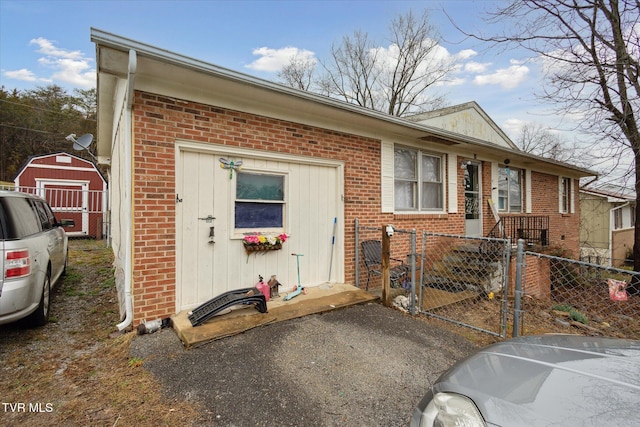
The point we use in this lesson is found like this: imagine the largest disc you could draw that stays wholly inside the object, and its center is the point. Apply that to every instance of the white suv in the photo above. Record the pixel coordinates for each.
(33, 249)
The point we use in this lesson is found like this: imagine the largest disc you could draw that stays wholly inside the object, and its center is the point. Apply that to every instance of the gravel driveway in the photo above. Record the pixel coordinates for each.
(365, 365)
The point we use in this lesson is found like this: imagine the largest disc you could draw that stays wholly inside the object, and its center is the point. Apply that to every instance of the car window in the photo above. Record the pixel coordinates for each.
(3, 224)
(50, 214)
(21, 220)
(43, 216)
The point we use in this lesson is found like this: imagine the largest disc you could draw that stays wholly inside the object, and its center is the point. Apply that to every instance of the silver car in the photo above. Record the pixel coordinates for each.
(33, 249)
(546, 380)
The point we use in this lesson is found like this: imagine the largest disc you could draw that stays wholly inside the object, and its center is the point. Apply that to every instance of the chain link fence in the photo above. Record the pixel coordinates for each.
(487, 285)
(402, 266)
(578, 297)
(465, 281)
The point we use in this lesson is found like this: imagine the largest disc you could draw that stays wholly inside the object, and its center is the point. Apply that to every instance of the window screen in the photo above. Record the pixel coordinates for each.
(259, 200)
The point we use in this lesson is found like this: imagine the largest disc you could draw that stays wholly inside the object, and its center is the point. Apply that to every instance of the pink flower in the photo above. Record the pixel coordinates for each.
(252, 238)
(283, 237)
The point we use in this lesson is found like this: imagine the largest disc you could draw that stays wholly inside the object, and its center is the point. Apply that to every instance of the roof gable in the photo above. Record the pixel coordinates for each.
(466, 119)
(59, 159)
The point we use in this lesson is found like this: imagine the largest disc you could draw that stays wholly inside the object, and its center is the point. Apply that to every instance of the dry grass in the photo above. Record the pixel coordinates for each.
(74, 370)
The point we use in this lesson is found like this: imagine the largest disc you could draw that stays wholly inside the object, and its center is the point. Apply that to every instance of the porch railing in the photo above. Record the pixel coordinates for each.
(534, 230)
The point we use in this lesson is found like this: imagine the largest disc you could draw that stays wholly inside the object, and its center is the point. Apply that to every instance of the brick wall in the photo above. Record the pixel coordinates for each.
(536, 277)
(159, 121)
(564, 229)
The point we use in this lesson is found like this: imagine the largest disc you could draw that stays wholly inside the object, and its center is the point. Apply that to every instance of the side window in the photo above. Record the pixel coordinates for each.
(43, 215)
(418, 184)
(565, 195)
(260, 201)
(21, 218)
(509, 189)
(52, 218)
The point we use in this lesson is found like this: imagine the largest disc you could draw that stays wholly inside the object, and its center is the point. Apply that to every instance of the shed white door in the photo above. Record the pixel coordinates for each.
(71, 197)
(196, 219)
(313, 198)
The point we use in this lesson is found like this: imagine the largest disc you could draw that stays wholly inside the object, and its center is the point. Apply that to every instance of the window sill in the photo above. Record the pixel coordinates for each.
(420, 215)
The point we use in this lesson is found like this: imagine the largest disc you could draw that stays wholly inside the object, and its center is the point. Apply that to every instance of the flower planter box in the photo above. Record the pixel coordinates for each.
(251, 248)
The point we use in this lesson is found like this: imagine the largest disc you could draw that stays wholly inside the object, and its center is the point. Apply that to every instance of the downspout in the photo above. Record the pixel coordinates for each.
(128, 205)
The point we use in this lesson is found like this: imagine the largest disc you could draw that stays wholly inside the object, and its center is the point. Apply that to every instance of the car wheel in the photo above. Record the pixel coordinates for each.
(41, 315)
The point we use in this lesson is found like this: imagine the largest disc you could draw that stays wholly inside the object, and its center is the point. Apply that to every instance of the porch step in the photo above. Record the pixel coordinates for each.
(463, 267)
(228, 299)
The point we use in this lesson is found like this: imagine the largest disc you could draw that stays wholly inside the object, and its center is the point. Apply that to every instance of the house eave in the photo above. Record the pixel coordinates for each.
(158, 67)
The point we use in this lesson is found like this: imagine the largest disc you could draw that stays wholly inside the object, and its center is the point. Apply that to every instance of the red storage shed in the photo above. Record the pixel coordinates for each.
(73, 186)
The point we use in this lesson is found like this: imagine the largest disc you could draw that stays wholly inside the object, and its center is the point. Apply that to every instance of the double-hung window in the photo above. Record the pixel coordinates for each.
(418, 182)
(565, 195)
(260, 201)
(509, 189)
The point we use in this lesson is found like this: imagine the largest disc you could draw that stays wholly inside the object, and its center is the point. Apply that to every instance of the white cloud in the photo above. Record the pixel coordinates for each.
(273, 60)
(68, 67)
(507, 78)
(78, 72)
(476, 67)
(465, 54)
(47, 48)
(21, 74)
(513, 127)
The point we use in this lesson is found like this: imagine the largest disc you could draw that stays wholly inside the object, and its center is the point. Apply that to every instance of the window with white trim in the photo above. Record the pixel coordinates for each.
(260, 201)
(418, 183)
(617, 219)
(509, 189)
(565, 195)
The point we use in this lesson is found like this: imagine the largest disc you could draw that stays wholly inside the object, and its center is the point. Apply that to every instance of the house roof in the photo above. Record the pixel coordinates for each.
(613, 195)
(467, 119)
(160, 71)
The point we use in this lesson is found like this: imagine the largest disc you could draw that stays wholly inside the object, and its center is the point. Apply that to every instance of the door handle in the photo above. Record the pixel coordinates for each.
(208, 218)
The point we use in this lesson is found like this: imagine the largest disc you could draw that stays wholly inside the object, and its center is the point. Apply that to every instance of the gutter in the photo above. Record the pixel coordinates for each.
(106, 39)
(128, 205)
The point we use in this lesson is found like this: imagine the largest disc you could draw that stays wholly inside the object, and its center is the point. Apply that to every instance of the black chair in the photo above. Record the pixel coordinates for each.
(372, 255)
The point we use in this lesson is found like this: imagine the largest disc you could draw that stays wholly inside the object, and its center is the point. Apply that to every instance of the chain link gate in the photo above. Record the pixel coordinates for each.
(465, 281)
(402, 262)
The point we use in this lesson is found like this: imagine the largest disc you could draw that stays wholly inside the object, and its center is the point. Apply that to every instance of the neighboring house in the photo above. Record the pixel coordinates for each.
(74, 188)
(179, 218)
(607, 226)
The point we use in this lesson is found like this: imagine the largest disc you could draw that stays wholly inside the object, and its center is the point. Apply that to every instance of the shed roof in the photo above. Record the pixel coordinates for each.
(30, 160)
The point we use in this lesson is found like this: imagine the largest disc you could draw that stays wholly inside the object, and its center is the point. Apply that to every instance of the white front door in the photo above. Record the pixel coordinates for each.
(473, 200)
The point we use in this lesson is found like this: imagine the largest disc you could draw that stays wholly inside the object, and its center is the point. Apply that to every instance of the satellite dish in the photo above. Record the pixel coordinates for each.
(83, 142)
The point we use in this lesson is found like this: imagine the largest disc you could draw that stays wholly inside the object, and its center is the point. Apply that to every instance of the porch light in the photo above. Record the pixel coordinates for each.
(463, 164)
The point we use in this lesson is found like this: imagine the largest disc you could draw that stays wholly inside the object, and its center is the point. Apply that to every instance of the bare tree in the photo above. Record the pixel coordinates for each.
(414, 64)
(353, 73)
(299, 72)
(394, 80)
(537, 139)
(590, 51)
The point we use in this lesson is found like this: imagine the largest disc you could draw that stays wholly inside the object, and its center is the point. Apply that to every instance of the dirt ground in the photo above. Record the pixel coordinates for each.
(76, 371)
(72, 371)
